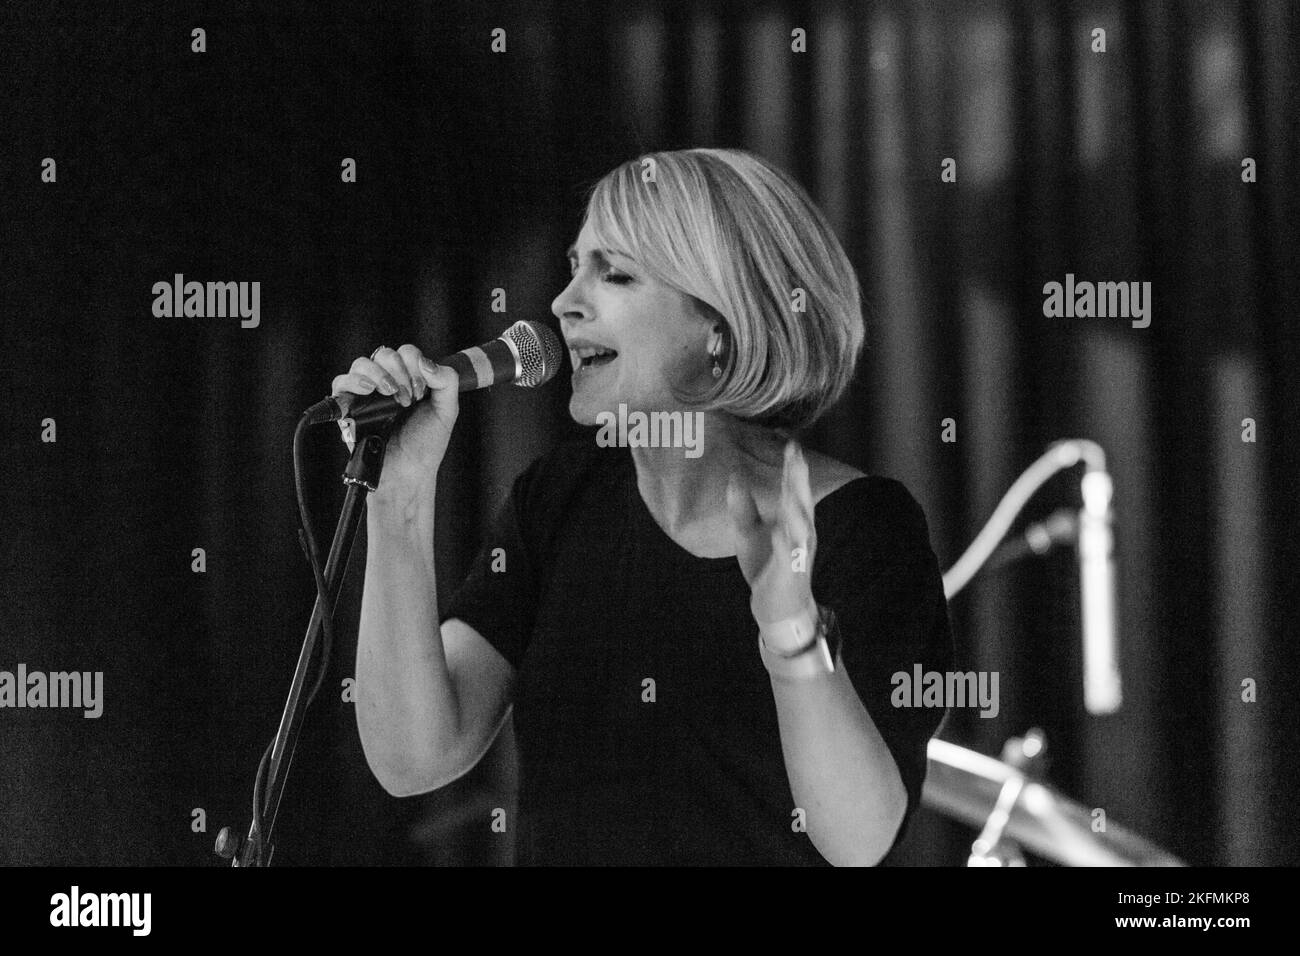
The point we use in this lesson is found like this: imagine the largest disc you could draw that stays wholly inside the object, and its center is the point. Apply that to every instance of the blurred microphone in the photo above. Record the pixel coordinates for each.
(1096, 547)
(1058, 528)
(527, 354)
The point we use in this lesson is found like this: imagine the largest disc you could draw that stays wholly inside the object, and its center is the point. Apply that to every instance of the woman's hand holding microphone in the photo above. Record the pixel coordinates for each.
(415, 449)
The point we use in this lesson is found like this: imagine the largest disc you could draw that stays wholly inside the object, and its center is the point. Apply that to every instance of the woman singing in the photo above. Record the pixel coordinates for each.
(697, 648)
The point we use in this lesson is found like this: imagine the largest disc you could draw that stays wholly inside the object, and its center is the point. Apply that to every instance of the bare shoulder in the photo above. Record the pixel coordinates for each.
(827, 474)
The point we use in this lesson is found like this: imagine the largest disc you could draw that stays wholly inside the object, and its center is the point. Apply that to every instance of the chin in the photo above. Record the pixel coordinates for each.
(583, 411)
(584, 407)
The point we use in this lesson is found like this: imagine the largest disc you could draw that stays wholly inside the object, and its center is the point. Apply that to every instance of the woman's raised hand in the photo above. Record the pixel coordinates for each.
(776, 539)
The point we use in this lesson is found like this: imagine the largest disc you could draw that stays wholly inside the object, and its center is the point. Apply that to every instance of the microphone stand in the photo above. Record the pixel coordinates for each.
(993, 847)
(361, 477)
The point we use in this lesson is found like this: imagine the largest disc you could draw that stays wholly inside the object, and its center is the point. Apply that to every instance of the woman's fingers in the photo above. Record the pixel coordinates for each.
(384, 381)
(794, 475)
(408, 376)
(444, 388)
(391, 362)
(782, 506)
(740, 503)
(410, 357)
(350, 382)
(784, 503)
(400, 372)
(796, 491)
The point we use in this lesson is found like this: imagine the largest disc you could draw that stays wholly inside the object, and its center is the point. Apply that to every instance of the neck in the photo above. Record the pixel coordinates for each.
(682, 491)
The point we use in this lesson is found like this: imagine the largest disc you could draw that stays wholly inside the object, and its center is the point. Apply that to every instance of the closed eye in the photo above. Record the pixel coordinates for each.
(600, 258)
(609, 275)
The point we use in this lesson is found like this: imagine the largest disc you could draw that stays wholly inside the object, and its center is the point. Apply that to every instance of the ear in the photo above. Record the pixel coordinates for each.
(708, 316)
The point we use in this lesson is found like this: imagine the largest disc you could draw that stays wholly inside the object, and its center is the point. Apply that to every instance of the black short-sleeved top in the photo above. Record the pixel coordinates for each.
(595, 601)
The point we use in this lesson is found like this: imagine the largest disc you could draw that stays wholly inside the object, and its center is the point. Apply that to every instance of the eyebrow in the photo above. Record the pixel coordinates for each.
(572, 253)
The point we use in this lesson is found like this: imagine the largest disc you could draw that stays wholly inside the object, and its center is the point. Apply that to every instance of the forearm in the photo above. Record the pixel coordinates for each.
(407, 710)
(841, 772)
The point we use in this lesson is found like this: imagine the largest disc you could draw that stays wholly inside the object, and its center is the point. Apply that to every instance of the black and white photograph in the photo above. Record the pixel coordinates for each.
(644, 434)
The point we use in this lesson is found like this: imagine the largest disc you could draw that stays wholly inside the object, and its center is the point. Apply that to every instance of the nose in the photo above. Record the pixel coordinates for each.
(571, 305)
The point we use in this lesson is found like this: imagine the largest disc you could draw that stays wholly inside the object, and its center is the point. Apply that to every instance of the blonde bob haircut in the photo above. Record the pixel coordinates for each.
(743, 239)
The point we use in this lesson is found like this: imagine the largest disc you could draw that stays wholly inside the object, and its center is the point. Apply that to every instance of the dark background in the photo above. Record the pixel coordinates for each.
(225, 166)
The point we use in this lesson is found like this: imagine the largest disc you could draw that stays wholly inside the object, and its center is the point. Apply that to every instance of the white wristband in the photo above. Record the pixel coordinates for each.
(794, 634)
(812, 657)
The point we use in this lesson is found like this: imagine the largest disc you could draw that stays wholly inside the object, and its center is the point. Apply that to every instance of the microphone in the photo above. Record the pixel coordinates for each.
(1058, 528)
(1096, 546)
(527, 354)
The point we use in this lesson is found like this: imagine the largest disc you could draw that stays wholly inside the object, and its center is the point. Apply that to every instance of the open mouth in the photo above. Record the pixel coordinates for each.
(593, 357)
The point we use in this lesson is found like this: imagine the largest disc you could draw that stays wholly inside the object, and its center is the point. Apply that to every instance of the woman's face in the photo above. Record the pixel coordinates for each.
(658, 336)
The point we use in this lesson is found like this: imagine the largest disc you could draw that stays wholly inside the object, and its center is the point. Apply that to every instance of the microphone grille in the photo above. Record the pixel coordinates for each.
(539, 352)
